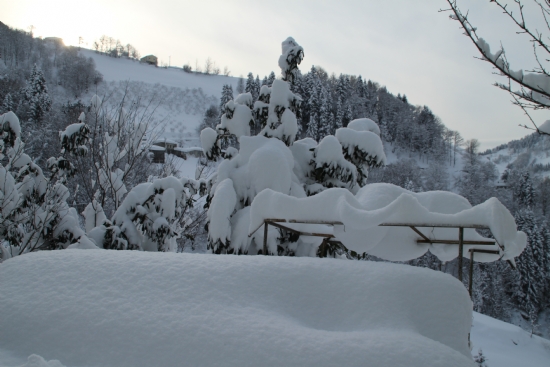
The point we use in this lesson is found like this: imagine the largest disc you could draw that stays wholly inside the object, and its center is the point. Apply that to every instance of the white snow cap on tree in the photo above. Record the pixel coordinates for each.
(364, 124)
(236, 120)
(281, 121)
(291, 57)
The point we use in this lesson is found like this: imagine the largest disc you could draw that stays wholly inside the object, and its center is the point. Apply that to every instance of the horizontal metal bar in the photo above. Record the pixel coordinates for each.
(484, 251)
(334, 223)
(301, 233)
(476, 226)
(455, 242)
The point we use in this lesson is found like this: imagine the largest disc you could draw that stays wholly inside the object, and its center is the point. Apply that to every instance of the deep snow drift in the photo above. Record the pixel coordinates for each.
(90, 307)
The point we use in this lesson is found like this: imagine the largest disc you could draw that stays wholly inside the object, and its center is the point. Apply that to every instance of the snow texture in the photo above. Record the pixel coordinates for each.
(375, 204)
(128, 308)
(236, 120)
(364, 124)
(545, 127)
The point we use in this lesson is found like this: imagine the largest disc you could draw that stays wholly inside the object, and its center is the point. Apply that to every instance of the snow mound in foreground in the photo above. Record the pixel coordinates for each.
(161, 309)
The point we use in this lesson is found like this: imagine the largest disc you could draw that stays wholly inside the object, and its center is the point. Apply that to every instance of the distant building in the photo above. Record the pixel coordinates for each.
(55, 40)
(169, 145)
(158, 153)
(150, 59)
(501, 185)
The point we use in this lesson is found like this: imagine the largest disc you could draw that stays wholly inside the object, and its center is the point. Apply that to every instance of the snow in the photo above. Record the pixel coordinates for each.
(364, 124)
(375, 204)
(165, 141)
(120, 69)
(221, 210)
(236, 120)
(365, 141)
(545, 127)
(10, 119)
(128, 308)
(507, 345)
(282, 126)
(209, 139)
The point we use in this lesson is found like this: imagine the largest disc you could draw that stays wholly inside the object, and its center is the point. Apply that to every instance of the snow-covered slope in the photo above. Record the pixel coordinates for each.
(507, 345)
(182, 97)
(531, 152)
(122, 69)
(126, 308)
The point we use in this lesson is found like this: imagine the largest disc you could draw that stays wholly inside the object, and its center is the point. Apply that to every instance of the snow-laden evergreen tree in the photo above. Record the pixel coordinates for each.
(313, 128)
(289, 60)
(35, 214)
(7, 104)
(270, 79)
(227, 95)
(250, 86)
(480, 359)
(339, 119)
(240, 86)
(36, 95)
(275, 160)
(524, 193)
(531, 285)
(257, 87)
(326, 118)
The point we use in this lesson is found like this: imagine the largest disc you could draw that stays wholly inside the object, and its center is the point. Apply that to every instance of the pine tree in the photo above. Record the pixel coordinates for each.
(240, 85)
(36, 94)
(524, 193)
(250, 86)
(480, 359)
(270, 79)
(7, 105)
(339, 114)
(529, 288)
(313, 128)
(257, 88)
(227, 95)
(326, 119)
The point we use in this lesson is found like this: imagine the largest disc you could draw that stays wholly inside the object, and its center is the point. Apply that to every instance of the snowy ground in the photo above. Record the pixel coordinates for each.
(507, 345)
(85, 308)
(183, 96)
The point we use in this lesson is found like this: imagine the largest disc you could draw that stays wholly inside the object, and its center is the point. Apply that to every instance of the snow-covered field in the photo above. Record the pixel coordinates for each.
(88, 308)
(507, 345)
(126, 308)
(183, 97)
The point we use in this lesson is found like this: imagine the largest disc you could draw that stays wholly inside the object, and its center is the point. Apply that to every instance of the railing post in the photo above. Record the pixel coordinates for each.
(460, 251)
(265, 239)
(471, 280)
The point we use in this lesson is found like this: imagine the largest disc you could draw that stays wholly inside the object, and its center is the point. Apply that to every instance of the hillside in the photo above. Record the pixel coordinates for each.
(531, 152)
(182, 97)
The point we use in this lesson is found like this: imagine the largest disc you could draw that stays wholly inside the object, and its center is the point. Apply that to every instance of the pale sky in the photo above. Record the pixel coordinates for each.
(405, 45)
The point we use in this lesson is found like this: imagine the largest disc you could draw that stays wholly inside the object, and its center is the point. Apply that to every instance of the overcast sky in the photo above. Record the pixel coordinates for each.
(408, 46)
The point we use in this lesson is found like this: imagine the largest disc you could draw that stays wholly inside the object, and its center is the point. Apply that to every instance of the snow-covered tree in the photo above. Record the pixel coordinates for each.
(527, 84)
(7, 104)
(227, 95)
(36, 95)
(270, 79)
(250, 86)
(274, 159)
(146, 220)
(240, 85)
(480, 359)
(34, 210)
